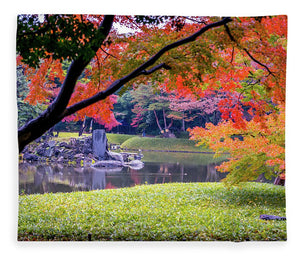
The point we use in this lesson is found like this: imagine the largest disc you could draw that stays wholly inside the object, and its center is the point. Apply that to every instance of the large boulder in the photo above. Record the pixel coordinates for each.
(99, 143)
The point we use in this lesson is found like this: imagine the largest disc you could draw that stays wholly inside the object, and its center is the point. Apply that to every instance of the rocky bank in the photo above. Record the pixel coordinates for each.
(78, 152)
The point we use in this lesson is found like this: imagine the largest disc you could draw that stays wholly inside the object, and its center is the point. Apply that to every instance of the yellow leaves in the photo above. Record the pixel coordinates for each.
(252, 150)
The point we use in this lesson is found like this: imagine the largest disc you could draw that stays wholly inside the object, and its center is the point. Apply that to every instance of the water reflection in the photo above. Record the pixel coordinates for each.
(42, 178)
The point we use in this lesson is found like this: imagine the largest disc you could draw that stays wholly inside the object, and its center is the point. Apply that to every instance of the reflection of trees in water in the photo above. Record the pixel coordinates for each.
(41, 178)
(57, 178)
(212, 175)
(163, 174)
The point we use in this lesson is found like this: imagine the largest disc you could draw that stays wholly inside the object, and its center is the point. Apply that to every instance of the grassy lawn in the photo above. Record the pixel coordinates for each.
(183, 158)
(144, 143)
(166, 144)
(176, 211)
(65, 136)
(118, 138)
(112, 138)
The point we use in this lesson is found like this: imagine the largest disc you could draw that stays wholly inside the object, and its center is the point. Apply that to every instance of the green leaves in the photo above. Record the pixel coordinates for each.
(62, 36)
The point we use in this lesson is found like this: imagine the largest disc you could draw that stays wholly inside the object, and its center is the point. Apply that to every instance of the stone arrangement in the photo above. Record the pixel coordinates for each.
(77, 150)
(87, 151)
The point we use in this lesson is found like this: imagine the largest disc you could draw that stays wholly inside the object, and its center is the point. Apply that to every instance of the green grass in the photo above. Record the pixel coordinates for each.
(118, 138)
(66, 136)
(144, 143)
(183, 158)
(112, 138)
(166, 144)
(190, 211)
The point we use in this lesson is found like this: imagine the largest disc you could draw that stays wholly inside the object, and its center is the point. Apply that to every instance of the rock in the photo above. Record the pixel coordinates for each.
(108, 164)
(99, 143)
(30, 157)
(79, 155)
(115, 156)
(40, 151)
(86, 149)
(51, 143)
(48, 152)
(271, 217)
(60, 159)
(135, 164)
(65, 145)
(56, 152)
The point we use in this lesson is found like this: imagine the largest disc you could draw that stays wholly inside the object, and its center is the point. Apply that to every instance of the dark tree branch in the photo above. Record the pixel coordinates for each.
(232, 55)
(155, 68)
(256, 61)
(108, 54)
(247, 52)
(141, 69)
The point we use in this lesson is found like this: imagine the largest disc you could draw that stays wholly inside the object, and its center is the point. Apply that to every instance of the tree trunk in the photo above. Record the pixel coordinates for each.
(83, 126)
(157, 121)
(164, 116)
(183, 122)
(171, 123)
(91, 125)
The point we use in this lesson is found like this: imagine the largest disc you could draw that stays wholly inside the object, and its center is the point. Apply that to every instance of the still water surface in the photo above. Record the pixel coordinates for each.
(159, 168)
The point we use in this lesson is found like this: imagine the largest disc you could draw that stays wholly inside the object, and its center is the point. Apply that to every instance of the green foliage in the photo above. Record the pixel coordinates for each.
(123, 108)
(37, 38)
(149, 99)
(26, 111)
(191, 211)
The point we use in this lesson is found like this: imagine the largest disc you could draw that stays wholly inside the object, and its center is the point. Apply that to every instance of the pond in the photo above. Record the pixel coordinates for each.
(159, 168)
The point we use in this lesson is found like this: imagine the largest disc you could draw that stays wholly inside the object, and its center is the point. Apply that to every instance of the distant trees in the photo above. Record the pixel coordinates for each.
(26, 112)
(148, 102)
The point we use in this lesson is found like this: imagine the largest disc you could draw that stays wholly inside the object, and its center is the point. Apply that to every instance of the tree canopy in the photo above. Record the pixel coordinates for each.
(239, 60)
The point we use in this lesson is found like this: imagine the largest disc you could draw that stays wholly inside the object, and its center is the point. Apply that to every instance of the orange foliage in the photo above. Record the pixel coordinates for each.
(262, 145)
(248, 64)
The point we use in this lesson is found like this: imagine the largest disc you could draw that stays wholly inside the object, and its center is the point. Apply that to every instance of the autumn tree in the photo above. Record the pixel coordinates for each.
(241, 58)
(261, 147)
(190, 108)
(43, 43)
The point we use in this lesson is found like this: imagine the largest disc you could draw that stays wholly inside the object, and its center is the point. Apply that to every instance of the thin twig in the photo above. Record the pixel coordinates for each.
(99, 65)
(247, 52)
(193, 20)
(232, 55)
(108, 54)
